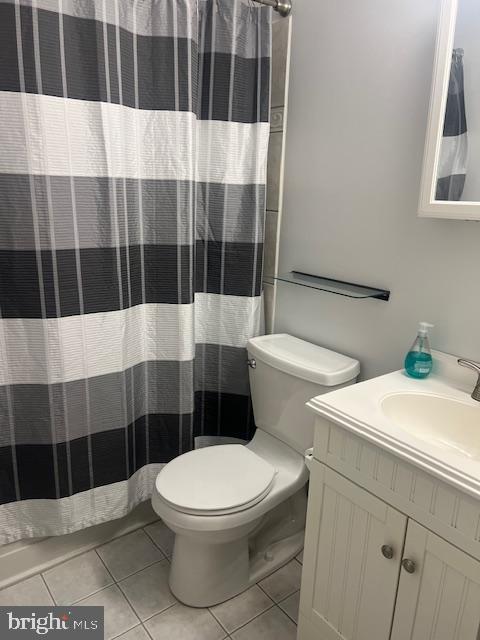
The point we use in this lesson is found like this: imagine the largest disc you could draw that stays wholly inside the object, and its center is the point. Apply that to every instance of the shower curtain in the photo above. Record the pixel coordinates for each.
(452, 165)
(133, 142)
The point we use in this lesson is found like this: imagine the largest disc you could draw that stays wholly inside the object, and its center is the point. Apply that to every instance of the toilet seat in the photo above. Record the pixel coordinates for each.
(215, 480)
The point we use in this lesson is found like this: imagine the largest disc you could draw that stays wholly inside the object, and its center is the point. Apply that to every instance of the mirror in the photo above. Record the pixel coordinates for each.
(450, 186)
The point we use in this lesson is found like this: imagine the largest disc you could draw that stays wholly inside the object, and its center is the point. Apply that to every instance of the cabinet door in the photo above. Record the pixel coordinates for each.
(348, 585)
(440, 600)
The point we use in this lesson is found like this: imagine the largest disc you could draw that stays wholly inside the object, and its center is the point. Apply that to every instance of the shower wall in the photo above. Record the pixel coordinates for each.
(281, 34)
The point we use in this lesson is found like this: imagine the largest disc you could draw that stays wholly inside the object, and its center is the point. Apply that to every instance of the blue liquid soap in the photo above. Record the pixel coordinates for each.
(419, 362)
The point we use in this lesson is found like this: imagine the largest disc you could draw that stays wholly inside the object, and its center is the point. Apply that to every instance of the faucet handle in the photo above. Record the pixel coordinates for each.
(470, 364)
(476, 367)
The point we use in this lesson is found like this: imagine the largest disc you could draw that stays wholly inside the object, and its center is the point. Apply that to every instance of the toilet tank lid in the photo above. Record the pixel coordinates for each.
(303, 359)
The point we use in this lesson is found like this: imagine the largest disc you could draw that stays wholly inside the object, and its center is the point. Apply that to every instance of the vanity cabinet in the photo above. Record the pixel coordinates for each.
(441, 598)
(371, 571)
(348, 585)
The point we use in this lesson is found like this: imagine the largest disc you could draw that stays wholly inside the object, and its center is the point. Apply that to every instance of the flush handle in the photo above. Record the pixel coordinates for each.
(252, 363)
(387, 551)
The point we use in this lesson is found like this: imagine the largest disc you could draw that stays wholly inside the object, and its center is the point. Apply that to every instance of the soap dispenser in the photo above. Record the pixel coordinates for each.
(418, 362)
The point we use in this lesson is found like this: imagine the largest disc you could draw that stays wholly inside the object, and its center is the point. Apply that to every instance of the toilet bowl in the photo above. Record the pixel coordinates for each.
(238, 511)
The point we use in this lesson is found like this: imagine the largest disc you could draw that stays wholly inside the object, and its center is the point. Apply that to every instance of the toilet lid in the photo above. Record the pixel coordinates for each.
(215, 480)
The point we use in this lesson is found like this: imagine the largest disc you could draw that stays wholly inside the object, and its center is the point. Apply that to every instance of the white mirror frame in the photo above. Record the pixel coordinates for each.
(428, 206)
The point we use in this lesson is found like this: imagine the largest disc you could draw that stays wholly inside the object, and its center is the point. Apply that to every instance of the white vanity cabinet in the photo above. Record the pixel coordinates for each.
(348, 586)
(441, 598)
(390, 552)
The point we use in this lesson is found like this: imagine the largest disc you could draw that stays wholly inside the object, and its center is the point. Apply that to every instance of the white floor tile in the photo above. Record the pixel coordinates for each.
(129, 554)
(162, 536)
(237, 611)
(77, 578)
(271, 625)
(119, 615)
(184, 623)
(137, 633)
(148, 591)
(290, 606)
(283, 582)
(300, 557)
(31, 591)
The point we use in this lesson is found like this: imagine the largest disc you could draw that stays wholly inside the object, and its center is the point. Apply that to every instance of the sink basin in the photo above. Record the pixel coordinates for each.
(440, 420)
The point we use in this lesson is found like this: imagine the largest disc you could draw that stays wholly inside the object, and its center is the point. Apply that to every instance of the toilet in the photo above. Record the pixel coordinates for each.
(238, 511)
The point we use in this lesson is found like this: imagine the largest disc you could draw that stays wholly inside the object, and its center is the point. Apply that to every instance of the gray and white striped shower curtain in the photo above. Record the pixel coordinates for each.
(133, 143)
(452, 164)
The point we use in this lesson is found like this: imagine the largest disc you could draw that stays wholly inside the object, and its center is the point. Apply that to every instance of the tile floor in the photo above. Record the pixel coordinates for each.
(129, 577)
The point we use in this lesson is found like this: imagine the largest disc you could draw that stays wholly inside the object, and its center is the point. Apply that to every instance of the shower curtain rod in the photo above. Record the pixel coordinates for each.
(283, 7)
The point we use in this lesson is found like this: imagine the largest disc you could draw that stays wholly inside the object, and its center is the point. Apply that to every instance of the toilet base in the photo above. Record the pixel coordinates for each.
(277, 555)
(205, 574)
(221, 572)
(206, 571)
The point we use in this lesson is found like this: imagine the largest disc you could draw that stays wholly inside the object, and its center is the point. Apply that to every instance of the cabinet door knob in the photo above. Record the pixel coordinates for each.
(387, 551)
(409, 565)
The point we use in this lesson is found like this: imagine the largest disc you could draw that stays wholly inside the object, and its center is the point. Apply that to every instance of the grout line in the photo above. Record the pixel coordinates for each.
(126, 631)
(107, 569)
(117, 580)
(275, 601)
(273, 604)
(94, 593)
(254, 618)
(147, 631)
(263, 590)
(71, 604)
(153, 614)
(131, 607)
(124, 535)
(156, 544)
(260, 587)
(285, 612)
(148, 566)
(244, 624)
(289, 596)
(289, 617)
(149, 635)
(48, 588)
(209, 609)
(174, 604)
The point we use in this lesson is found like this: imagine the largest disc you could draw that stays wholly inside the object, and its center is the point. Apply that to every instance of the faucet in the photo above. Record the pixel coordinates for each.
(476, 367)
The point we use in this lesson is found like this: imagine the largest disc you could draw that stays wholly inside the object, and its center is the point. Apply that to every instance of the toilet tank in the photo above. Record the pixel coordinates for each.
(285, 372)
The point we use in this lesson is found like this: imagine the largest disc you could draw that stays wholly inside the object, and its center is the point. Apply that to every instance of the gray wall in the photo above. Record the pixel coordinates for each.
(359, 91)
